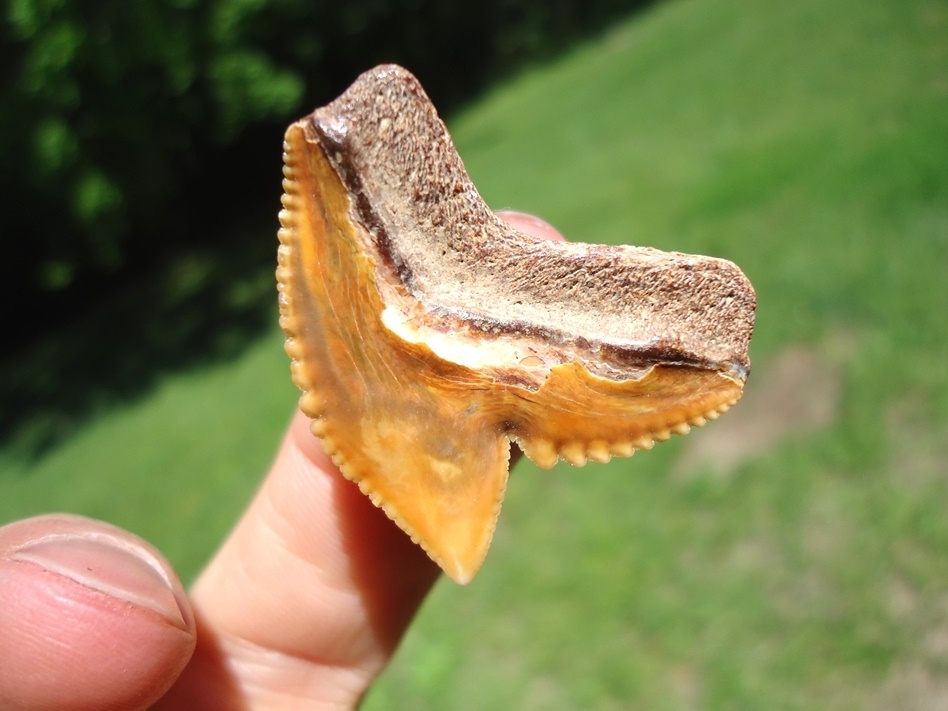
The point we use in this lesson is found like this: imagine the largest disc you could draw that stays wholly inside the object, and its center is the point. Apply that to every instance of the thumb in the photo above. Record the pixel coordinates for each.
(92, 617)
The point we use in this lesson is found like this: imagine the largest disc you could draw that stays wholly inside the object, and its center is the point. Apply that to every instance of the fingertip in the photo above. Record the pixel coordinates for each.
(92, 617)
(531, 225)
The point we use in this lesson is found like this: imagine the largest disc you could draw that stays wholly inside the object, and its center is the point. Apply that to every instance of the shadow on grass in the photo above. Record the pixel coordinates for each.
(195, 306)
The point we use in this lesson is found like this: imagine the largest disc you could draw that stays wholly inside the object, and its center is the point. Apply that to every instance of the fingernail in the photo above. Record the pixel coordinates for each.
(116, 567)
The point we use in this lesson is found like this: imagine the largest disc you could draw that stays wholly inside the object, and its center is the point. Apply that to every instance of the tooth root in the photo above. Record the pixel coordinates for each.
(540, 451)
(598, 451)
(574, 453)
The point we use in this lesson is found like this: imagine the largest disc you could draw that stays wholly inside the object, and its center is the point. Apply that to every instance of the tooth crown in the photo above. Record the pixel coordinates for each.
(426, 334)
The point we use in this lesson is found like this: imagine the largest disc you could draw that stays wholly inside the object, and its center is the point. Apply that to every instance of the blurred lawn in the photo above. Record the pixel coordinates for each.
(808, 142)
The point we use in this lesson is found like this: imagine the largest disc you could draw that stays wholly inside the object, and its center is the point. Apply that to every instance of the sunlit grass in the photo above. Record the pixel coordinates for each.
(175, 466)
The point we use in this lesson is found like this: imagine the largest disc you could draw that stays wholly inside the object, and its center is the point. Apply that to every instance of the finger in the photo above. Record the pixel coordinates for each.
(531, 224)
(307, 599)
(92, 617)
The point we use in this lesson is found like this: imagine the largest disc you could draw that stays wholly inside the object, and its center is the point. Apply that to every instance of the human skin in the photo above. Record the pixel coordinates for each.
(302, 606)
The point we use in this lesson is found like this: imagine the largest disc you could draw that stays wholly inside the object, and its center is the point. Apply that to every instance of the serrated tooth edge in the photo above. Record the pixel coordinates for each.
(574, 453)
(598, 451)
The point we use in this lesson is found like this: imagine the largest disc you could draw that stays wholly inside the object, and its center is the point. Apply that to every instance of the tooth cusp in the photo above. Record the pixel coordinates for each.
(539, 451)
(645, 442)
(598, 451)
(574, 453)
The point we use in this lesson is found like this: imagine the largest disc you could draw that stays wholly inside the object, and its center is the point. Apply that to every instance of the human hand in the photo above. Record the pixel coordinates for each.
(302, 606)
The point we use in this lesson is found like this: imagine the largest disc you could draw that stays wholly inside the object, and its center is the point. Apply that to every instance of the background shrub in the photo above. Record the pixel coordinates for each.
(127, 129)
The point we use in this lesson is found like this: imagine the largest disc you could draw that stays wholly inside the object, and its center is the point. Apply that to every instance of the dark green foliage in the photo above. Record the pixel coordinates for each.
(127, 128)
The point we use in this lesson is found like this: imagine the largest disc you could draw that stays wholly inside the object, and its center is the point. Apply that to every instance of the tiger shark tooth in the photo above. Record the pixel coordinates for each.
(426, 334)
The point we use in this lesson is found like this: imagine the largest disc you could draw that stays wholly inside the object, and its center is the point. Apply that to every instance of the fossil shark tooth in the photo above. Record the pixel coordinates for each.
(427, 335)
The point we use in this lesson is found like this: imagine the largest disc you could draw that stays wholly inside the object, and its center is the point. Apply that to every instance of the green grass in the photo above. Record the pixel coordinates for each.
(808, 142)
(177, 465)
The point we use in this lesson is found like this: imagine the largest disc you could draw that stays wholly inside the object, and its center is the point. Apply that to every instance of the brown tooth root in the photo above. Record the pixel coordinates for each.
(426, 333)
